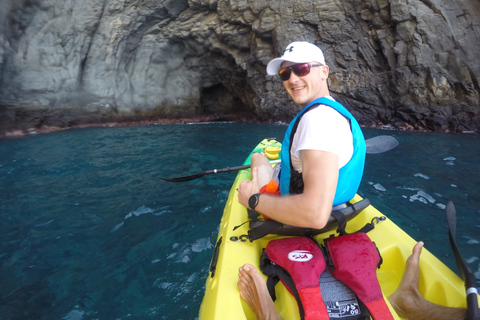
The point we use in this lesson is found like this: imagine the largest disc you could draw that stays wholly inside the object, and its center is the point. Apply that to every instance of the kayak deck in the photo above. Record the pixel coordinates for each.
(437, 283)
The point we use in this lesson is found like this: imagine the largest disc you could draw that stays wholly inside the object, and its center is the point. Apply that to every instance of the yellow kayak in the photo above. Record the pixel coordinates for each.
(222, 300)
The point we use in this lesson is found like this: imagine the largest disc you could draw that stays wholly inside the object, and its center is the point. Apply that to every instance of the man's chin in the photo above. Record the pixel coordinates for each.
(300, 101)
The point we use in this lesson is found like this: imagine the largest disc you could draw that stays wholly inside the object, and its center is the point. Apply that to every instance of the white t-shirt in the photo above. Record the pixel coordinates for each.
(327, 130)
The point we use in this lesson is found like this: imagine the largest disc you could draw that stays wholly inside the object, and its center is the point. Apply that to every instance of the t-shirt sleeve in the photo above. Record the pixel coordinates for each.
(324, 129)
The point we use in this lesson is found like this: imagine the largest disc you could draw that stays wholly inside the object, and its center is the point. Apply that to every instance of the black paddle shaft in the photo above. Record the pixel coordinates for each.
(377, 144)
(201, 174)
(463, 267)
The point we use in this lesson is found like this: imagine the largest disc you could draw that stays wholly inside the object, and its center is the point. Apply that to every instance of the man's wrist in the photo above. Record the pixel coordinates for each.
(253, 201)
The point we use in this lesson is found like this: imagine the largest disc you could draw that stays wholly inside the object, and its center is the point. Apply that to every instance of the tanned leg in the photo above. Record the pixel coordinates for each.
(255, 293)
(409, 303)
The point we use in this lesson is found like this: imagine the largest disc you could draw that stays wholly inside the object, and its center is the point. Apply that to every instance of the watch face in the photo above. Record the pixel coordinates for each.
(252, 201)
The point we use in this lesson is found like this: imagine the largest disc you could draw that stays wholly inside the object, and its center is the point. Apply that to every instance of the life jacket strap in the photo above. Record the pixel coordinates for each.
(298, 262)
(313, 305)
(354, 259)
(379, 309)
(342, 218)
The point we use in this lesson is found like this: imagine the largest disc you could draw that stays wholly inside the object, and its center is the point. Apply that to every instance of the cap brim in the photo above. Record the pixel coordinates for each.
(274, 66)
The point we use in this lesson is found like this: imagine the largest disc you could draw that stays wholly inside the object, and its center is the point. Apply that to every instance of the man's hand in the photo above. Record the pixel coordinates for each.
(247, 188)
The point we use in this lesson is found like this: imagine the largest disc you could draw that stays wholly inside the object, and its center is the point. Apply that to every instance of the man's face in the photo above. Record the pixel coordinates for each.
(305, 89)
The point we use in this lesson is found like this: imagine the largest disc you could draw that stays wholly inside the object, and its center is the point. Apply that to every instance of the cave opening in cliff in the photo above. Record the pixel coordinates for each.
(218, 100)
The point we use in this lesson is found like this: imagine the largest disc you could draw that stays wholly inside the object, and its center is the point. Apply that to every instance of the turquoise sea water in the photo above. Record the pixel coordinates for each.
(89, 231)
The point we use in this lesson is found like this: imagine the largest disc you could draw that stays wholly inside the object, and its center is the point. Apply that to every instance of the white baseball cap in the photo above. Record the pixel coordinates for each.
(298, 52)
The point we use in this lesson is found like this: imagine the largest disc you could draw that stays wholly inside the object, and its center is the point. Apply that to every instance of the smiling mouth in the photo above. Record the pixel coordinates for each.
(298, 88)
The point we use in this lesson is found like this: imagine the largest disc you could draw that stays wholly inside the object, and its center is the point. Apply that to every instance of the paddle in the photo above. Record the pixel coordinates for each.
(201, 174)
(380, 144)
(465, 271)
(377, 144)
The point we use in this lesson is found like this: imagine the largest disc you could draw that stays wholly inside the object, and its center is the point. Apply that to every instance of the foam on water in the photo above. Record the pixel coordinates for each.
(140, 211)
(116, 227)
(74, 315)
(202, 244)
(423, 197)
(449, 161)
(377, 186)
(472, 241)
(43, 224)
(183, 255)
(421, 176)
(441, 206)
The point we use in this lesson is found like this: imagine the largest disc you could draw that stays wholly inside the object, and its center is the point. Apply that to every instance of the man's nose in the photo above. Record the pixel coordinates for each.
(293, 77)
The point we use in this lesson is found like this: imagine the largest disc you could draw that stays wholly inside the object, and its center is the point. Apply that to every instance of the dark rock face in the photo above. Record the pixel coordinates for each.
(406, 63)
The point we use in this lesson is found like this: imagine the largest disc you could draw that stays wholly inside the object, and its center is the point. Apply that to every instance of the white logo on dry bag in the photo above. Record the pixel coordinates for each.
(300, 255)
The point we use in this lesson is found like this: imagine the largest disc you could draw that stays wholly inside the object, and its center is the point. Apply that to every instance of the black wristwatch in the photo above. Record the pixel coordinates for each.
(253, 201)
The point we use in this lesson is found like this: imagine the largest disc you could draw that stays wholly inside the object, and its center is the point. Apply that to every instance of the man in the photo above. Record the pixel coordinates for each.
(323, 155)
(326, 142)
(323, 164)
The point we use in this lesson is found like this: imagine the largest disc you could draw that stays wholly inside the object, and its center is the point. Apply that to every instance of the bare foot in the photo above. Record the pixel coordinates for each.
(407, 294)
(255, 293)
(409, 303)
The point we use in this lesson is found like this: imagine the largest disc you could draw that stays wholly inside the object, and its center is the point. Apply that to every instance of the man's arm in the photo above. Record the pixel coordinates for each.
(310, 209)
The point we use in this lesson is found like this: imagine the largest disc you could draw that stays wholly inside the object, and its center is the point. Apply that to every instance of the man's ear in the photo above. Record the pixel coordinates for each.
(326, 71)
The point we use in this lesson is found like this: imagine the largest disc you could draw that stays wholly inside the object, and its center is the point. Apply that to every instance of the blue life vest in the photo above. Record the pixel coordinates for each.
(350, 174)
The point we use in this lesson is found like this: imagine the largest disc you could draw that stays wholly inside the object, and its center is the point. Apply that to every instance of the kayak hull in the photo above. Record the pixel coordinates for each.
(437, 283)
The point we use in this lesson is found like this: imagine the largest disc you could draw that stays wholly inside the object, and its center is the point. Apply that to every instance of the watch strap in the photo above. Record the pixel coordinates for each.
(253, 200)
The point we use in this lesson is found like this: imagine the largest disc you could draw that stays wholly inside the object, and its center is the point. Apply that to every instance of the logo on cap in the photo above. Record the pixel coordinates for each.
(300, 255)
(289, 49)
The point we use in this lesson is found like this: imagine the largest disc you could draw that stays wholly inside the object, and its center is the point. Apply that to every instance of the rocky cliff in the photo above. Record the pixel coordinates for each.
(406, 63)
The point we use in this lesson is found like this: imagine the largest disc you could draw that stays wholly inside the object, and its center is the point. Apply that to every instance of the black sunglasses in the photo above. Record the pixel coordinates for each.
(300, 70)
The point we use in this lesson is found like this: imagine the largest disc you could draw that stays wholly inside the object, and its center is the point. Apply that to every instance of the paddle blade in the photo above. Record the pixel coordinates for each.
(451, 219)
(452, 233)
(185, 178)
(381, 144)
(464, 268)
